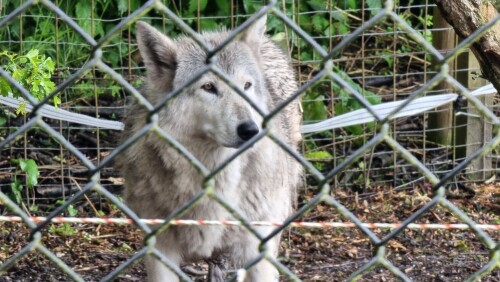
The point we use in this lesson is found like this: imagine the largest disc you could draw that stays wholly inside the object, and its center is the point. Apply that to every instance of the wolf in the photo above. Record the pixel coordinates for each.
(211, 120)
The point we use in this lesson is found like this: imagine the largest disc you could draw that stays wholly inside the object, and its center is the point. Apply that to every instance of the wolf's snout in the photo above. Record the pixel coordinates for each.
(247, 130)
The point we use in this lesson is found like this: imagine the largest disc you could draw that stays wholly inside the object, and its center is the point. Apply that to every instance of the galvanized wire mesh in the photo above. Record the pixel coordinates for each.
(323, 180)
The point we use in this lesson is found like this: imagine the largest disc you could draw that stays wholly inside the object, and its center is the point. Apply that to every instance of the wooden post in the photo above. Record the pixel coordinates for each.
(440, 122)
(473, 131)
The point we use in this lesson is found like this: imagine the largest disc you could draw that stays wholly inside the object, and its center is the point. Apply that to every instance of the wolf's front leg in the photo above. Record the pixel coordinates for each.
(248, 250)
(157, 272)
(263, 271)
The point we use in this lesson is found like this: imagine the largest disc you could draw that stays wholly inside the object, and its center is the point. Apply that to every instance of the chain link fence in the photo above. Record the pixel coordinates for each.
(322, 181)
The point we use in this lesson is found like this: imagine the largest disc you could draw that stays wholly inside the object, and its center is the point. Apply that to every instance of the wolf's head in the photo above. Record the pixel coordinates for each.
(208, 108)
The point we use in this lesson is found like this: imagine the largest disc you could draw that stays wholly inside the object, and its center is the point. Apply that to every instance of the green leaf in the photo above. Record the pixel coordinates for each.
(63, 229)
(251, 6)
(31, 169)
(274, 24)
(22, 108)
(354, 129)
(122, 6)
(318, 155)
(194, 5)
(306, 23)
(340, 108)
(16, 188)
(57, 101)
(72, 211)
(347, 4)
(318, 22)
(314, 110)
(280, 39)
(49, 65)
(224, 6)
(209, 24)
(18, 74)
(134, 5)
(33, 53)
(83, 11)
(4, 53)
(115, 90)
(372, 98)
(375, 5)
(3, 121)
(342, 29)
(4, 87)
(317, 5)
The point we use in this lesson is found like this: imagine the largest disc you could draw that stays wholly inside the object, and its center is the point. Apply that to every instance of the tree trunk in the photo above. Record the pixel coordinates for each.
(467, 16)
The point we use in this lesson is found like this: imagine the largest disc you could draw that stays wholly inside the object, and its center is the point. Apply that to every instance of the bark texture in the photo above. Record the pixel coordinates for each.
(466, 16)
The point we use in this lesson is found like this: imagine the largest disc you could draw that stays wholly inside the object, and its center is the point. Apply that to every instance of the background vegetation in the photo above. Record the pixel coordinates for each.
(40, 50)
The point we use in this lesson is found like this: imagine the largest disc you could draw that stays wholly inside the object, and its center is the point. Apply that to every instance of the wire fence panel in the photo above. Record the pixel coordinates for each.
(346, 57)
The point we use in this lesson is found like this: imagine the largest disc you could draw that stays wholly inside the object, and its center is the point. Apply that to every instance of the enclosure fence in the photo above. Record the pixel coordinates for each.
(322, 195)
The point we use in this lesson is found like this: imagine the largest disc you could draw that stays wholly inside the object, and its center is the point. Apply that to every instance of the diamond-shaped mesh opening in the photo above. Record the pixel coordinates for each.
(344, 55)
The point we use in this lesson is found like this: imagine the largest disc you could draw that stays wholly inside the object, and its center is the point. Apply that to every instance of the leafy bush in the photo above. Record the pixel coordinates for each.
(33, 72)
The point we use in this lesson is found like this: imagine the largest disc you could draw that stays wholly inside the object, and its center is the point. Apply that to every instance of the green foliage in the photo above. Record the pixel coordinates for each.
(64, 229)
(374, 5)
(30, 169)
(126, 248)
(318, 158)
(33, 72)
(195, 5)
(16, 188)
(70, 210)
(3, 120)
(348, 103)
(86, 88)
(318, 155)
(341, 18)
(314, 106)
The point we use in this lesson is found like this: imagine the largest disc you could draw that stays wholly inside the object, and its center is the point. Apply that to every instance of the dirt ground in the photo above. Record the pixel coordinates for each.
(313, 254)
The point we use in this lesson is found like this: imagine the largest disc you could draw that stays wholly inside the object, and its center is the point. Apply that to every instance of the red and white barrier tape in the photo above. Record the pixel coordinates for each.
(94, 220)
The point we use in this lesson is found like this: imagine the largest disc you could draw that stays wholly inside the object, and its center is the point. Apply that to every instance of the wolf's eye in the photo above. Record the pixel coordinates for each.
(209, 87)
(247, 85)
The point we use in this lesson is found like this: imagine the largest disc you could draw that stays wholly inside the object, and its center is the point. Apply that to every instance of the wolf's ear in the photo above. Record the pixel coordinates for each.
(158, 53)
(254, 35)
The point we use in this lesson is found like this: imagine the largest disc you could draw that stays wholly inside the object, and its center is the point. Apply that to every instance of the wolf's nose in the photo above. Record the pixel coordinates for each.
(247, 130)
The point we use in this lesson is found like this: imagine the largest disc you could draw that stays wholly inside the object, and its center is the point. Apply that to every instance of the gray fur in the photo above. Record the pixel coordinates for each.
(259, 183)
